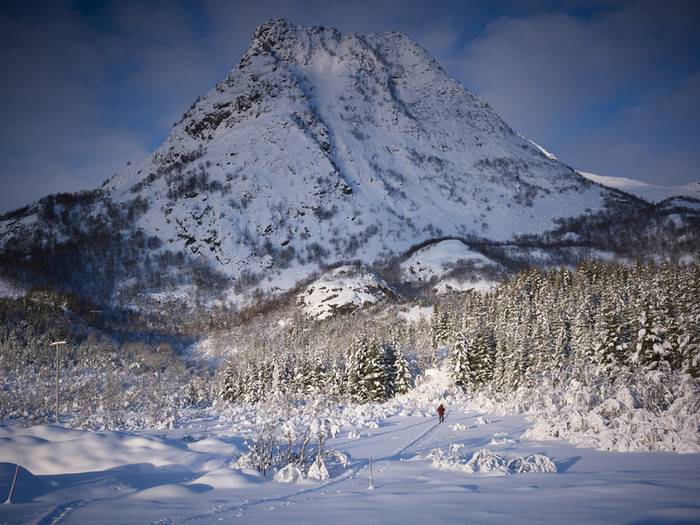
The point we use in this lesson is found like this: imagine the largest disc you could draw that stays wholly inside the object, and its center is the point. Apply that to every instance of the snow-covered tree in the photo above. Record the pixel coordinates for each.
(460, 370)
(388, 352)
(403, 381)
(374, 376)
(652, 352)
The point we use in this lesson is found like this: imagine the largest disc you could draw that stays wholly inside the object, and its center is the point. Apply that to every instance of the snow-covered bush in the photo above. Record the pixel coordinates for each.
(290, 436)
(629, 417)
(103, 385)
(318, 469)
(533, 463)
(485, 461)
(289, 474)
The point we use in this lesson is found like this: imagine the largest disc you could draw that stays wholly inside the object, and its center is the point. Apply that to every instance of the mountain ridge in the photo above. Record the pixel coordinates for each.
(653, 193)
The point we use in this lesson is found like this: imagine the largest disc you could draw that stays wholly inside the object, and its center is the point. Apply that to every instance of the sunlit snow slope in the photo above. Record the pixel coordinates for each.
(648, 192)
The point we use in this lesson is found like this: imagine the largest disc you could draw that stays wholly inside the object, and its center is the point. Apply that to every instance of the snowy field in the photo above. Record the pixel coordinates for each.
(437, 259)
(423, 472)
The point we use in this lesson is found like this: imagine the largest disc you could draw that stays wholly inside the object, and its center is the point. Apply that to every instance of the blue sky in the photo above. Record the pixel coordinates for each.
(609, 87)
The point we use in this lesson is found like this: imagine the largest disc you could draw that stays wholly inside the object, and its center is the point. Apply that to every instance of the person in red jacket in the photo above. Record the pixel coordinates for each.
(441, 412)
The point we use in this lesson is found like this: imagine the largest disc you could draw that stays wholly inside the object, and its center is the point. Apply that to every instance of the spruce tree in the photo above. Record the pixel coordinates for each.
(610, 346)
(231, 389)
(192, 397)
(358, 355)
(441, 331)
(651, 351)
(556, 368)
(278, 385)
(481, 357)
(249, 385)
(500, 376)
(374, 377)
(403, 380)
(459, 362)
(336, 383)
(301, 374)
(316, 375)
(389, 364)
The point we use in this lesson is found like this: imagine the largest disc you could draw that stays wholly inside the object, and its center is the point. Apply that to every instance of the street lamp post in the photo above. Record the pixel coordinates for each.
(58, 344)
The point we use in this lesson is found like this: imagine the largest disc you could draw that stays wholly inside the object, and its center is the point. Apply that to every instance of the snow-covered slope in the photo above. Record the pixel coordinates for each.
(321, 147)
(644, 190)
(437, 259)
(343, 289)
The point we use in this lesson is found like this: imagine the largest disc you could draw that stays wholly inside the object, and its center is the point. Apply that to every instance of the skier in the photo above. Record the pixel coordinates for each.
(441, 412)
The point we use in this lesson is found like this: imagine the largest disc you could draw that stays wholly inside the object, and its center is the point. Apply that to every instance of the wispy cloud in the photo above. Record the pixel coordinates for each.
(613, 92)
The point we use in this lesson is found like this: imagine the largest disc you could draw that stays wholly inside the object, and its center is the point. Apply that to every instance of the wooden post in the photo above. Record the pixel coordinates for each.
(58, 382)
(12, 487)
(58, 344)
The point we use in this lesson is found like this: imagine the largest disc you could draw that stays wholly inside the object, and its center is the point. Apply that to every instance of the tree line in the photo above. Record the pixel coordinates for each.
(371, 371)
(599, 322)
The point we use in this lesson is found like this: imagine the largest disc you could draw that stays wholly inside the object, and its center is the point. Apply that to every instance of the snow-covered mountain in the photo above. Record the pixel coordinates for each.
(644, 190)
(318, 147)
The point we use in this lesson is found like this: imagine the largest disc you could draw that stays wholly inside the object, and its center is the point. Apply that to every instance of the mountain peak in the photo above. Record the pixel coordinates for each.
(269, 34)
(279, 35)
(322, 147)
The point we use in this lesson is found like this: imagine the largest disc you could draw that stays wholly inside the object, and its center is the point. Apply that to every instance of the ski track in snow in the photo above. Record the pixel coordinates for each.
(360, 464)
(413, 443)
(246, 504)
(60, 512)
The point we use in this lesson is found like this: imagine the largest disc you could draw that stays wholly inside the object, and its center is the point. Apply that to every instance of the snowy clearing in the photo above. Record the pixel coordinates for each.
(438, 259)
(343, 289)
(475, 466)
(82, 477)
(452, 285)
(415, 313)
